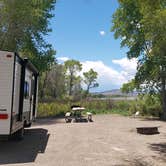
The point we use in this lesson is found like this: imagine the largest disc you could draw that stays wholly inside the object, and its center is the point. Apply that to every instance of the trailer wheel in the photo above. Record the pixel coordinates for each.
(27, 124)
(19, 135)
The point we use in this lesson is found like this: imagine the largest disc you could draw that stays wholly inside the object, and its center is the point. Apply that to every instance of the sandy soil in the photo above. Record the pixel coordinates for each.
(109, 141)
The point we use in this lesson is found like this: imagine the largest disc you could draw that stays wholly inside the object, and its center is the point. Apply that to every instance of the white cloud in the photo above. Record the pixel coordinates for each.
(109, 77)
(128, 65)
(102, 33)
(62, 59)
(107, 74)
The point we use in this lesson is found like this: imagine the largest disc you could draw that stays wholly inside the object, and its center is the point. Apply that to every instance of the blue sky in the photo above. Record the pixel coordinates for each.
(81, 31)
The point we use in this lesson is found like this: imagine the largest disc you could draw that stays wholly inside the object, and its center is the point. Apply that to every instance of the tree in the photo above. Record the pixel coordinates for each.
(128, 87)
(43, 84)
(142, 27)
(90, 79)
(71, 69)
(23, 26)
(77, 88)
(56, 81)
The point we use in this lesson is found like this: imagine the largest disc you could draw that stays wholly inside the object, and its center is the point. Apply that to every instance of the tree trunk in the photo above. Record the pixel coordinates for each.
(43, 87)
(163, 97)
(87, 90)
(71, 84)
(55, 93)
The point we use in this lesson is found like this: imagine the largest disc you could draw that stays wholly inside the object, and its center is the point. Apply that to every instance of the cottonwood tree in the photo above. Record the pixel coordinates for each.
(141, 25)
(72, 67)
(77, 88)
(90, 79)
(128, 87)
(56, 81)
(23, 26)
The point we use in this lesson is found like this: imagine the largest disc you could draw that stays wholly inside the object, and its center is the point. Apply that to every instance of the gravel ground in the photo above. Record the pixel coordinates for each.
(109, 141)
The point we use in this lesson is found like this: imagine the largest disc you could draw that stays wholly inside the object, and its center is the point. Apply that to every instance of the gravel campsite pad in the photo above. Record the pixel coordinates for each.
(109, 140)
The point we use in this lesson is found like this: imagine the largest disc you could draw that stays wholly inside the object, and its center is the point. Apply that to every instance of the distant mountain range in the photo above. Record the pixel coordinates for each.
(116, 92)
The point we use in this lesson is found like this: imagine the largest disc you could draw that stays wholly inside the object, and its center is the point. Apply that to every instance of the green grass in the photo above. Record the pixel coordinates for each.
(52, 109)
(95, 107)
(120, 112)
(112, 111)
(146, 106)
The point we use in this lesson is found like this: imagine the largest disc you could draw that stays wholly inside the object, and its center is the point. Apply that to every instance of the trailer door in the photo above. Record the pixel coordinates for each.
(16, 121)
(6, 90)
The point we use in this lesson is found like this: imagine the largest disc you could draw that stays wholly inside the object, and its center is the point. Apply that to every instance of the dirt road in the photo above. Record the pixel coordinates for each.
(109, 140)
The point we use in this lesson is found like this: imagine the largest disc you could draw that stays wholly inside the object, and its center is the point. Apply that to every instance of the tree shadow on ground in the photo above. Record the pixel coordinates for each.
(160, 148)
(26, 150)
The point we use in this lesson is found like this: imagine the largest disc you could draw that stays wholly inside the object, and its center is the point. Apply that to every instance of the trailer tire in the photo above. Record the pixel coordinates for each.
(19, 135)
(29, 125)
(26, 125)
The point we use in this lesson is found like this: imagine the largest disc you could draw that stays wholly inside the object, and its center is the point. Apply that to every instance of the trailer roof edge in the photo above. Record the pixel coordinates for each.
(31, 66)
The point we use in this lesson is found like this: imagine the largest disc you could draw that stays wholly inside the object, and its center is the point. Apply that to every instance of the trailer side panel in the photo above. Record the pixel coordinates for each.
(6, 90)
(16, 123)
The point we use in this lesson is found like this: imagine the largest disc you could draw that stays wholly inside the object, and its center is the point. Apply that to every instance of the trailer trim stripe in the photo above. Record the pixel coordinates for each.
(3, 116)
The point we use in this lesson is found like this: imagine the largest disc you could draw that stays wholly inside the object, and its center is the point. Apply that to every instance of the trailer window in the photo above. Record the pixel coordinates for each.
(26, 90)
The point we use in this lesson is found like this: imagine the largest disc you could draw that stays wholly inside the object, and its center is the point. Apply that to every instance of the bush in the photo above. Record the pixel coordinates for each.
(52, 109)
(146, 105)
(95, 106)
(122, 105)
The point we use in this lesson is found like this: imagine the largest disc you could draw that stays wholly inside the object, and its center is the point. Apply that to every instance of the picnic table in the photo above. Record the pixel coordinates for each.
(77, 116)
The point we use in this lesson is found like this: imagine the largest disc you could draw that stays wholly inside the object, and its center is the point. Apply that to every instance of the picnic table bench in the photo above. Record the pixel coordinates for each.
(76, 115)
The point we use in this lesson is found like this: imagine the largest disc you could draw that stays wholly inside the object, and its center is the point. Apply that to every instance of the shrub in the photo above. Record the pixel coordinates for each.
(146, 105)
(52, 109)
(95, 106)
(122, 105)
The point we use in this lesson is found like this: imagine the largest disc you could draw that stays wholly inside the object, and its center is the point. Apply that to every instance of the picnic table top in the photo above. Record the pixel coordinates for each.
(78, 108)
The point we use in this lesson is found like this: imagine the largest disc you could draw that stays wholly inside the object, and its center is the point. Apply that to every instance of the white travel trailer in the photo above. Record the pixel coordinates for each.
(18, 94)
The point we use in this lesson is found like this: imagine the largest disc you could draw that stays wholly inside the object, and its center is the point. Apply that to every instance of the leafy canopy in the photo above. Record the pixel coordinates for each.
(128, 87)
(23, 26)
(72, 67)
(90, 79)
(141, 25)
